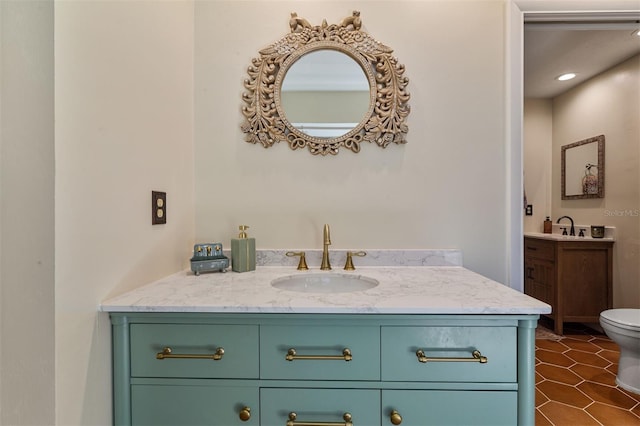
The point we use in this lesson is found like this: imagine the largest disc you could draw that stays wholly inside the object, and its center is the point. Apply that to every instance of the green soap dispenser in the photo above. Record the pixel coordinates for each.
(243, 252)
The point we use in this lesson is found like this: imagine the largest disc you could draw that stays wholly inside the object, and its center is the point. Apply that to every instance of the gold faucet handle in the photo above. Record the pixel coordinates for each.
(302, 265)
(348, 266)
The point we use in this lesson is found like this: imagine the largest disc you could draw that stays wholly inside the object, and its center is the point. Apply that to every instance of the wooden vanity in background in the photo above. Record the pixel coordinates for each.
(573, 275)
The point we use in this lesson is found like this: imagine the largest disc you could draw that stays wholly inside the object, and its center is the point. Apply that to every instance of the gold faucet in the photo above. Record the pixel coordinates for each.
(348, 266)
(302, 264)
(326, 265)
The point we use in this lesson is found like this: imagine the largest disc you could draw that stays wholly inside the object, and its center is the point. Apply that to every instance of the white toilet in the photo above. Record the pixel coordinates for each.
(623, 327)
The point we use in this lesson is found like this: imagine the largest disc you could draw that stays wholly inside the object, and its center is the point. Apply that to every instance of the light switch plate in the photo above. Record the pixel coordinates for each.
(158, 208)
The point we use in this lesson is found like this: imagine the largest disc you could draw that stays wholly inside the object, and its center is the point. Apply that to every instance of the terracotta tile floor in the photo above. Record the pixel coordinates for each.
(575, 380)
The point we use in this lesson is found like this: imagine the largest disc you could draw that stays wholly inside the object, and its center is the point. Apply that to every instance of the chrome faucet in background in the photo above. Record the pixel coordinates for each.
(572, 232)
(326, 237)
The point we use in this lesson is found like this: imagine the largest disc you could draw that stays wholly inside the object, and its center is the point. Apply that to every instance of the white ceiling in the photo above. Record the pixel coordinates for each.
(553, 47)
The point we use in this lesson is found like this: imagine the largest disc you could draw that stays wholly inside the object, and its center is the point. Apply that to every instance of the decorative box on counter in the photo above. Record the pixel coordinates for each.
(208, 258)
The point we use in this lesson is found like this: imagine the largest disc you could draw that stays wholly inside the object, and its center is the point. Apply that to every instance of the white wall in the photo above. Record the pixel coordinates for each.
(609, 105)
(537, 149)
(26, 213)
(124, 127)
(444, 189)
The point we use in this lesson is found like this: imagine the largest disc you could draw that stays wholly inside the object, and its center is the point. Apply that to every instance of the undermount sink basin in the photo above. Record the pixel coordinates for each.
(324, 283)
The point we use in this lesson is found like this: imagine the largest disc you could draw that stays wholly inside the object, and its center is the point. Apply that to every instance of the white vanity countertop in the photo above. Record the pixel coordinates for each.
(560, 237)
(402, 290)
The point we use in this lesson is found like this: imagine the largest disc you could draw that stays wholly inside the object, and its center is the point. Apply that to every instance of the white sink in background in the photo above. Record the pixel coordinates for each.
(324, 283)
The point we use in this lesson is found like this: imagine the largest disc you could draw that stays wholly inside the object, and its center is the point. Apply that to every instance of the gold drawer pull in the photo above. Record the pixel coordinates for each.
(477, 357)
(395, 418)
(167, 352)
(245, 414)
(346, 356)
(292, 417)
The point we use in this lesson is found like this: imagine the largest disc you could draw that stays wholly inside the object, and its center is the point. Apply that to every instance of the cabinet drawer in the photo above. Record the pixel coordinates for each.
(539, 249)
(449, 354)
(324, 406)
(194, 405)
(451, 407)
(192, 349)
(320, 352)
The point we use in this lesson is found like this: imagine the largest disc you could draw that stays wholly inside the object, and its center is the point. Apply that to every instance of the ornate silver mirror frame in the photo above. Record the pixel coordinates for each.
(385, 121)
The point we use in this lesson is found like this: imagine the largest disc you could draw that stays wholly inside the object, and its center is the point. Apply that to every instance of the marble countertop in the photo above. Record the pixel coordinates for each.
(560, 237)
(557, 228)
(402, 290)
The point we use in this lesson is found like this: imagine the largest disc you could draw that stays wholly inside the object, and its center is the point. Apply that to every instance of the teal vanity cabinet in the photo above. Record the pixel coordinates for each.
(450, 407)
(330, 369)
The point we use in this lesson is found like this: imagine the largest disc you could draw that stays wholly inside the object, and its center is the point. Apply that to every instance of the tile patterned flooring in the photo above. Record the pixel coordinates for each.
(575, 380)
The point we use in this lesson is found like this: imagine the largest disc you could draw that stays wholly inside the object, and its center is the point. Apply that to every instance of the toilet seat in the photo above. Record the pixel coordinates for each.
(628, 319)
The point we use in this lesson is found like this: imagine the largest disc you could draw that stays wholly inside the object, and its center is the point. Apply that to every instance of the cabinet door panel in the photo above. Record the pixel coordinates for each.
(363, 342)
(239, 342)
(539, 279)
(172, 405)
(400, 362)
(444, 408)
(585, 278)
(319, 405)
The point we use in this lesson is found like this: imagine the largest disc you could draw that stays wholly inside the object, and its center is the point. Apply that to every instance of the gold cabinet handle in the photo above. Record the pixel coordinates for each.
(293, 416)
(167, 352)
(245, 414)
(395, 418)
(477, 357)
(292, 355)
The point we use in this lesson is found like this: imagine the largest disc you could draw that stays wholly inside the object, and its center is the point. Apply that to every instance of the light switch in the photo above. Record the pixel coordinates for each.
(158, 208)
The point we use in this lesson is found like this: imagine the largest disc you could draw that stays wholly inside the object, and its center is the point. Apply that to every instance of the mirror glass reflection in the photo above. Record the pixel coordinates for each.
(325, 93)
(582, 173)
(581, 164)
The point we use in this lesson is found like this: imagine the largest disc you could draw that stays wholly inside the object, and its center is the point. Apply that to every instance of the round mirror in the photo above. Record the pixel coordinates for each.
(325, 87)
(325, 94)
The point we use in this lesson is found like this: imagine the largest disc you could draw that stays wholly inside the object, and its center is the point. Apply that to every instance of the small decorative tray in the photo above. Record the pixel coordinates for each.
(208, 258)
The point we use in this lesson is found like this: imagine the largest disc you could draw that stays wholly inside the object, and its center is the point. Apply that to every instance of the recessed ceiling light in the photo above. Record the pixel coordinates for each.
(637, 32)
(567, 76)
